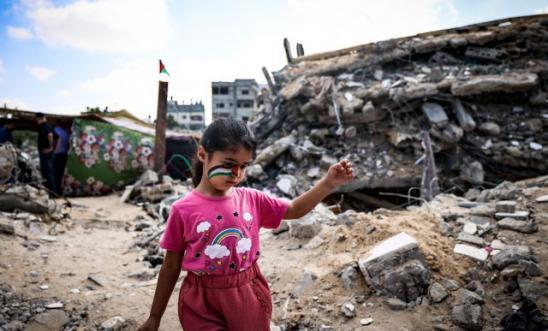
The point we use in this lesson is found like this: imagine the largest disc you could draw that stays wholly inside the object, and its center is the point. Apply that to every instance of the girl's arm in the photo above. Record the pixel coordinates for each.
(169, 273)
(337, 174)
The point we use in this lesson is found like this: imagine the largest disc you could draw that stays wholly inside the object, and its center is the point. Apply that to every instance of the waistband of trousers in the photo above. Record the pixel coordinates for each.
(223, 281)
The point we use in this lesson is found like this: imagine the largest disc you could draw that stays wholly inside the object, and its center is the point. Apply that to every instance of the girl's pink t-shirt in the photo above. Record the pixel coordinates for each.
(220, 235)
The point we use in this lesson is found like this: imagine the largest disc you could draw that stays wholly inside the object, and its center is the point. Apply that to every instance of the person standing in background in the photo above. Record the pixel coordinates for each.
(5, 133)
(45, 150)
(60, 158)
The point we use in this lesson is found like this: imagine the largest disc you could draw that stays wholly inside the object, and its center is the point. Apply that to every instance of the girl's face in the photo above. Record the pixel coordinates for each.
(225, 169)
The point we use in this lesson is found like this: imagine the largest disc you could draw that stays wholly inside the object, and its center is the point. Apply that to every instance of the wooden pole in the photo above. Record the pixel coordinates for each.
(287, 47)
(161, 123)
(429, 184)
(269, 80)
(300, 50)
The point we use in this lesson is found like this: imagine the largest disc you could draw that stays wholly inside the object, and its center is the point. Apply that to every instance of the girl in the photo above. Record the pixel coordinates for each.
(213, 234)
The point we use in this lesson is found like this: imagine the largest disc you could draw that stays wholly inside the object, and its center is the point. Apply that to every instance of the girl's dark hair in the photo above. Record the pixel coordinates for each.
(223, 135)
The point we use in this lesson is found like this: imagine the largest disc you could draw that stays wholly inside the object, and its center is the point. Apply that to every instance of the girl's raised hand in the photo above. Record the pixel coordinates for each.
(339, 173)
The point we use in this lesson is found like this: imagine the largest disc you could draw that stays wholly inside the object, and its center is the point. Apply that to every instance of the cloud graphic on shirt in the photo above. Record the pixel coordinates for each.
(216, 251)
(203, 226)
(244, 245)
(247, 217)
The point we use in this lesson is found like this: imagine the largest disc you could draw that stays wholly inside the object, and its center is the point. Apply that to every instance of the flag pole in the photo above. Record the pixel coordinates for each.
(161, 123)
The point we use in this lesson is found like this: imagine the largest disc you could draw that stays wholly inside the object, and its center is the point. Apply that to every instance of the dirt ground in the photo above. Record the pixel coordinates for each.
(100, 240)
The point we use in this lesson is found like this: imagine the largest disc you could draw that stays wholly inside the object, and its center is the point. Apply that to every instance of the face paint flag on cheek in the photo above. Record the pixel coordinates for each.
(222, 171)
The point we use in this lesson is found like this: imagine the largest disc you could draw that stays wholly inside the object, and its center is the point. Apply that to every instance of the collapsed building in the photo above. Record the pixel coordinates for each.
(479, 92)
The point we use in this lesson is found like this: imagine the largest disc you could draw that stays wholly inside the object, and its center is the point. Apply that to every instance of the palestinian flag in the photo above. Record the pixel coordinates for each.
(221, 171)
(163, 69)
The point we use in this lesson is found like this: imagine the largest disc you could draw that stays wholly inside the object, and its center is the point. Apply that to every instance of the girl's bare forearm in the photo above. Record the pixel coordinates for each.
(304, 203)
(166, 282)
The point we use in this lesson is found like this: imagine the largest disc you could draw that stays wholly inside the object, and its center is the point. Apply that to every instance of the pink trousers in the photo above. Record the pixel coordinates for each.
(234, 302)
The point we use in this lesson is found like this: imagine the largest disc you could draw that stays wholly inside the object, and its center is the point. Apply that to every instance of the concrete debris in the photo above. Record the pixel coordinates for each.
(506, 207)
(515, 225)
(471, 251)
(394, 262)
(437, 292)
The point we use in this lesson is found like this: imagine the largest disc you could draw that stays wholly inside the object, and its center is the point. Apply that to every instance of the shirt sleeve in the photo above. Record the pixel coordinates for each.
(271, 209)
(173, 237)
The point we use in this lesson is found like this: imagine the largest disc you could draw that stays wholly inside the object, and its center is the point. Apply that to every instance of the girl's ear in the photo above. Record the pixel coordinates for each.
(201, 153)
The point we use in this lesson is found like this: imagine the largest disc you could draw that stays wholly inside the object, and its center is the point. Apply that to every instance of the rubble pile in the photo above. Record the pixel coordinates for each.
(155, 194)
(479, 91)
(453, 260)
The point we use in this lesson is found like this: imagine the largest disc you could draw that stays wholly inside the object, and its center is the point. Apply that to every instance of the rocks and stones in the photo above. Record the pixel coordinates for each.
(287, 185)
(518, 215)
(542, 199)
(395, 268)
(269, 154)
(468, 297)
(471, 239)
(497, 244)
(350, 277)
(115, 323)
(490, 128)
(466, 121)
(532, 288)
(55, 305)
(479, 254)
(255, 171)
(506, 206)
(284, 227)
(450, 284)
(508, 82)
(348, 310)
(366, 321)
(469, 317)
(304, 228)
(395, 304)
(437, 292)
(472, 172)
(435, 114)
(527, 317)
(470, 228)
(313, 172)
(530, 268)
(515, 225)
(48, 320)
(511, 255)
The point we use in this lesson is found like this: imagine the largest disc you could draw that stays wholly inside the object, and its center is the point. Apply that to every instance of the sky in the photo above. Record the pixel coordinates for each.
(61, 56)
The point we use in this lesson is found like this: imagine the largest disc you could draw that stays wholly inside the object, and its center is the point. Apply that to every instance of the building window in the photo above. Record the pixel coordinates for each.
(223, 90)
(215, 90)
(245, 92)
(184, 117)
(220, 105)
(195, 118)
(245, 104)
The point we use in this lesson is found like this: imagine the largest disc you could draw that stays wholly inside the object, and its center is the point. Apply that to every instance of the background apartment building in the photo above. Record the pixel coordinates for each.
(188, 116)
(234, 99)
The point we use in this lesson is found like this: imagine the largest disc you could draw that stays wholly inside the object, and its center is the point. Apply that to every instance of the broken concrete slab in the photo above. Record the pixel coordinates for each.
(466, 121)
(508, 82)
(471, 239)
(522, 215)
(515, 225)
(304, 228)
(479, 254)
(269, 154)
(393, 262)
(506, 206)
(435, 114)
(542, 199)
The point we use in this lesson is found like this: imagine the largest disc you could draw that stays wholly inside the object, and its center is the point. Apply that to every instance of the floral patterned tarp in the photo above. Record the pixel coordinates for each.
(104, 157)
